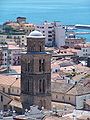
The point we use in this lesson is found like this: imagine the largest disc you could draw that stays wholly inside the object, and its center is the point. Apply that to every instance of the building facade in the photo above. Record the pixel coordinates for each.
(36, 73)
(59, 35)
(71, 42)
(54, 32)
(11, 54)
(1, 57)
(19, 38)
(84, 51)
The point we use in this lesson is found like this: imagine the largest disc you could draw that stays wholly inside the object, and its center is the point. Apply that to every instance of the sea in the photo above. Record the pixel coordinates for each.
(68, 12)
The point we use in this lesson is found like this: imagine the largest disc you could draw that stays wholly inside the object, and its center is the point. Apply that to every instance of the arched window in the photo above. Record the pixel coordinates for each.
(28, 67)
(40, 67)
(43, 65)
(43, 86)
(40, 86)
(40, 48)
(30, 86)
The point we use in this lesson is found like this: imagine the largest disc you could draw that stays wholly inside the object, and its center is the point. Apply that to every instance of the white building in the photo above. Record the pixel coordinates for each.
(73, 94)
(4, 49)
(84, 52)
(48, 30)
(20, 39)
(14, 54)
(59, 35)
(11, 54)
(54, 33)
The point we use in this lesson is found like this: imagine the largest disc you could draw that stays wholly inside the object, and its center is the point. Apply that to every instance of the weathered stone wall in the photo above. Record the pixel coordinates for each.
(35, 44)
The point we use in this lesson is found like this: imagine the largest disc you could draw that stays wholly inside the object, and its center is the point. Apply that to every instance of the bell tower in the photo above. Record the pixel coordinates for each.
(36, 73)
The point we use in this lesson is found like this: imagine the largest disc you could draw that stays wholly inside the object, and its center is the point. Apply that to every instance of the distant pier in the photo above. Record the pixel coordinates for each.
(76, 26)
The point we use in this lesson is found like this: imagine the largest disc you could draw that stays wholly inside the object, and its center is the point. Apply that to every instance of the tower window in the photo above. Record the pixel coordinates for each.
(40, 68)
(42, 65)
(40, 86)
(1, 98)
(30, 86)
(40, 49)
(43, 86)
(28, 67)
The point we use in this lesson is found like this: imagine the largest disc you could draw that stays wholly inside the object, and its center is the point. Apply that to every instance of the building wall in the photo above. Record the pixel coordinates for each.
(4, 100)
(15, 56)
(10, 56)
(19, 39)
(71, 42)
(80, 100)
(36, 73)
(10, 89)
(84, 52)
(65, 98)
(34, 76)
(28, 28)
(5, 55)
(54, 33)
(59, 36)
(48, 31)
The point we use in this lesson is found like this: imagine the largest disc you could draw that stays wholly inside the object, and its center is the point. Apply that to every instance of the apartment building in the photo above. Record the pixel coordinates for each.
(84, 50)
(54, 33)
(11, 54)
(19, 38)
(71, 42)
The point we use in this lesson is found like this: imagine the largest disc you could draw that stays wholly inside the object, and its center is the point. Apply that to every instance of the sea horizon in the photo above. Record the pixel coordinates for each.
(66, 11)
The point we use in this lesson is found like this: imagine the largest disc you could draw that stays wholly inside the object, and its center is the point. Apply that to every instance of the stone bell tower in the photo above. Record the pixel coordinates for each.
(36, 73)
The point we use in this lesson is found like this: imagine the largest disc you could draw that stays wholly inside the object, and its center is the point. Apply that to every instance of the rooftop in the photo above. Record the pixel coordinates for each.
(79, 89)
(10, 80)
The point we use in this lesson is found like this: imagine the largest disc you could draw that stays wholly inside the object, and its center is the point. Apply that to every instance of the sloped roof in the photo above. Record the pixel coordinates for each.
(60, 87)
(79, 89)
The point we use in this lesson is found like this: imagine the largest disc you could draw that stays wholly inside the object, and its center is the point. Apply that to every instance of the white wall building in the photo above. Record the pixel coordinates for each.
(59, 35)
(14, 54)
(18, 38)
(54, 33)
(11, 54)
(48, 30)
(80, 99)
(4, 49)
(84, 52)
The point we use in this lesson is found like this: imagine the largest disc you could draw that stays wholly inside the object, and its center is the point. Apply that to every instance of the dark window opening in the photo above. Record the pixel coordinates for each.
(40, 86)
(43, 86)
(40, 49)
(40, 66)
(1, 98)
(43, 65)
